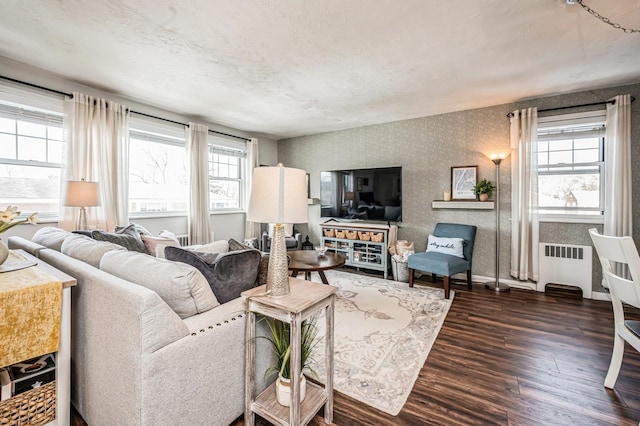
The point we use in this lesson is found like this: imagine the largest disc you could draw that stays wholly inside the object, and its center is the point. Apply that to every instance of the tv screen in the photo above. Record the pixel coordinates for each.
(362, 194)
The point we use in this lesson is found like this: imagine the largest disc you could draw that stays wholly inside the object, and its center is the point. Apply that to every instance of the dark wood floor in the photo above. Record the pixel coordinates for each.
(517, 358)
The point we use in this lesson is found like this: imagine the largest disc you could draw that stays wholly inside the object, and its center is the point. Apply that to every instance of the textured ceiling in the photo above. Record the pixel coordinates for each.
(284, 68)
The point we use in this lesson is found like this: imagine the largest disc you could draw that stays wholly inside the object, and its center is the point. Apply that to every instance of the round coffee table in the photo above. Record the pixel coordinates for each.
(309, 261)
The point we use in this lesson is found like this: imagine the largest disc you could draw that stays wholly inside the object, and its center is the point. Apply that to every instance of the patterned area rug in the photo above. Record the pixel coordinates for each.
(383, 333)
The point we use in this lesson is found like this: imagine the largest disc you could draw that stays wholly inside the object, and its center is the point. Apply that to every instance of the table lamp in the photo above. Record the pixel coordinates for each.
(278, 195)
(83, 194)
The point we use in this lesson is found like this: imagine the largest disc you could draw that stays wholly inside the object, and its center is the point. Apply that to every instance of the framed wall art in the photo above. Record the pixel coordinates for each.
(463, 179)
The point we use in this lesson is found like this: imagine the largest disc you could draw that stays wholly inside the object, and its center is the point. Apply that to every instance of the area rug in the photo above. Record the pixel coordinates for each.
(383, 333)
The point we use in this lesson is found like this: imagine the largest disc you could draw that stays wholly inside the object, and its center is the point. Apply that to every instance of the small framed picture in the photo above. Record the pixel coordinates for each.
(308, 186)
(359, 184)
(463, 179)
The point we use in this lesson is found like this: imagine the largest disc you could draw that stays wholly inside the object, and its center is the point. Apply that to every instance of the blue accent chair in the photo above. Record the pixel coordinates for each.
(446, 264)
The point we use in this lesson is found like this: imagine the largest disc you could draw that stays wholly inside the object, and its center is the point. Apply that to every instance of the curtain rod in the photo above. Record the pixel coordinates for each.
(613, 102)
(132, 111)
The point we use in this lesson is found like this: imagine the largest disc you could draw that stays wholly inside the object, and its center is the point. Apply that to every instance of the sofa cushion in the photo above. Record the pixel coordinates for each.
(87, 250)
(50, 237)
(182, 287)
(127, 237)
(228, 274)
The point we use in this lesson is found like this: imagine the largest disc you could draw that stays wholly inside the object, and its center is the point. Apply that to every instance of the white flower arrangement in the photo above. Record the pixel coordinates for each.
(9, 218)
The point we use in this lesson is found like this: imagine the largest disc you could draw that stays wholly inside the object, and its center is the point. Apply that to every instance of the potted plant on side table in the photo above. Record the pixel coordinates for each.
(484, 189)
(280, 338)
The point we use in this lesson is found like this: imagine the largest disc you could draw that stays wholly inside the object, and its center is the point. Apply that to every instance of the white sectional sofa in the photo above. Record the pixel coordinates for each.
(135, 361)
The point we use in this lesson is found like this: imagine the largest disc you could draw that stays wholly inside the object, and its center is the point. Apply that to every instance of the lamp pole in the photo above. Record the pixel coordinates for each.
(497, 286)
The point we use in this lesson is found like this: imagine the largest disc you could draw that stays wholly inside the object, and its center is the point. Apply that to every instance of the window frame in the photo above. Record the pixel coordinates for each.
(596, 120)
(24, 106)
(232, 148)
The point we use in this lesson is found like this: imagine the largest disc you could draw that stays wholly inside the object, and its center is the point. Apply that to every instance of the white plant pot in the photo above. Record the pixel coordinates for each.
(283, 390)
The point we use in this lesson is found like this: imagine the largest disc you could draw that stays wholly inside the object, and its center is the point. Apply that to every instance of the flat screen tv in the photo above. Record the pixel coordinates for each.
(373, 194)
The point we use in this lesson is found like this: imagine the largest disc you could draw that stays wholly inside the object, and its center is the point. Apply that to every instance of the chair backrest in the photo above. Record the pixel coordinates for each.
(621, 250)
(456, 230)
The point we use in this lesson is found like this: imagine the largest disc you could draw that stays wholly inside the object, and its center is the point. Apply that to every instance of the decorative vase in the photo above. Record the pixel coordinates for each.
(484, 197)
(4, 251)
(283, 390)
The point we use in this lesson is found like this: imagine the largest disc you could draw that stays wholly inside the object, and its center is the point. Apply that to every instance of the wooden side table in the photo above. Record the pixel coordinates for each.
(304, 300)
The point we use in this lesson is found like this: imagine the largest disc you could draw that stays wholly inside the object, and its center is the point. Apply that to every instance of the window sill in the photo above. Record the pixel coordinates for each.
(571, 219)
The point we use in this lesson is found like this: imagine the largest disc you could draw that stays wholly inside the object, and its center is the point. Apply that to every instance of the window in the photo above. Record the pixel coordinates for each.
(571, 167)
(31, 154)
(226, 175)
(158, 173)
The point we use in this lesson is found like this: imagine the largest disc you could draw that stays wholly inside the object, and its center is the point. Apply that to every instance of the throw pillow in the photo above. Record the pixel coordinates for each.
(87, 250)
(182, 287)
(220, 246)
(169, 234)
(451, 246)
(138, 228)
(156, 245)
(288, 229)
(228, 274)
(236, 245)
(128, 238)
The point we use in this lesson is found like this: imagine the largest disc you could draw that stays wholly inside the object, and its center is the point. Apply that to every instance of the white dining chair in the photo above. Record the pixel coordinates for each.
(612, 250)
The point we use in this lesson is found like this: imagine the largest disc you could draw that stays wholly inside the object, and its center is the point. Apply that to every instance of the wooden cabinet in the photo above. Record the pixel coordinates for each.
(363, 245)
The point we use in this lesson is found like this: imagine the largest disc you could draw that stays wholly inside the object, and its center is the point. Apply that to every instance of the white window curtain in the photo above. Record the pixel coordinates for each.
(617, 197)
(97, 149)
(524, 195)
(251, 229)
(198, 154)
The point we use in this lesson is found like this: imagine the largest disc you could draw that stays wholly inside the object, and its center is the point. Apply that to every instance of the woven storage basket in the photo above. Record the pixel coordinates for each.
(340, 234)
(352, 235)
(34, 407)
(377, 237)
(329, 232)
(364, 236)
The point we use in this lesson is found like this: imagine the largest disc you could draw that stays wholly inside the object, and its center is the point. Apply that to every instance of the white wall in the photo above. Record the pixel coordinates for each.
(224, 225)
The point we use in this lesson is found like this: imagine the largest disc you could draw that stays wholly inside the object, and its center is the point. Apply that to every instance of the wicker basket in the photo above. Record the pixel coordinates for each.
(364, 236)
(352, 235)
(341, 234)
(377, 238)
(34, 407)
(329, 232)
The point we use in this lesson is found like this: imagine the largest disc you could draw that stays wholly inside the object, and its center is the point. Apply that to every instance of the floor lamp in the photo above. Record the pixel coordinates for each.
(497, 157)
(278, 195)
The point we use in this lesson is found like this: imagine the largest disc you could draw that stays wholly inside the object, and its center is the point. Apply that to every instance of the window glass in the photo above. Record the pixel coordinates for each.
(31, 153)
(158, 176)
(225, 178)
(571, 169)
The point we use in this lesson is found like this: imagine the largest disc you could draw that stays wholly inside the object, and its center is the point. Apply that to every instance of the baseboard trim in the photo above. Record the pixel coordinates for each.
(600, 295)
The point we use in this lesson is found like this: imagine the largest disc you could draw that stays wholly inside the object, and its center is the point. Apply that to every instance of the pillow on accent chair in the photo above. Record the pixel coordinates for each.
(128, 238)
(228, 274)
(452, 246)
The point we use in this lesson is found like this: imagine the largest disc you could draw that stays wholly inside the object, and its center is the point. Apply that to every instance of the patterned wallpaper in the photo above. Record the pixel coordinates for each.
(426, 148)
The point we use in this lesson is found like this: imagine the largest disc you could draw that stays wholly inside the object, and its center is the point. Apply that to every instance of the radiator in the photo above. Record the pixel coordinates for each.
(565, 264)
(183, 239)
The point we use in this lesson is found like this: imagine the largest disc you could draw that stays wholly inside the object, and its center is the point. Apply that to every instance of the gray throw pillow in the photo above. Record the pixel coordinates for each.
(228, 274)
(236, 245)
(128, 238)
(138, 228)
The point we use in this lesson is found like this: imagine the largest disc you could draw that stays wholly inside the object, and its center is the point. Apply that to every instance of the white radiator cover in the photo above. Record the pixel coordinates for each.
(565, 264)
(183, 240)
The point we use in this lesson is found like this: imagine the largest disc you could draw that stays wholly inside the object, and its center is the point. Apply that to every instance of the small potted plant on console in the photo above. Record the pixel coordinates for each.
(484, 189)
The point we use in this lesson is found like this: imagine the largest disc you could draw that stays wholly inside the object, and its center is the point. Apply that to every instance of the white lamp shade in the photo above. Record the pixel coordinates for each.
(278, 195)
(81, 193)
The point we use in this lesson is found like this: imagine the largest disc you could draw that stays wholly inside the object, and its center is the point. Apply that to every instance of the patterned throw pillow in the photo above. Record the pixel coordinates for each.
(138, 228)
(451, 246)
